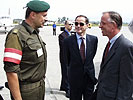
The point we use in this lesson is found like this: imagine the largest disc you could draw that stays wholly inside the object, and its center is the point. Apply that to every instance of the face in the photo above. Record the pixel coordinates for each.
(69, 25)
(80, 26)
(40, 19)
(105, 25)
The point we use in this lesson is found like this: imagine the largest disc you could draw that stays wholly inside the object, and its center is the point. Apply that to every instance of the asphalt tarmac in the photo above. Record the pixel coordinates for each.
(53, 73)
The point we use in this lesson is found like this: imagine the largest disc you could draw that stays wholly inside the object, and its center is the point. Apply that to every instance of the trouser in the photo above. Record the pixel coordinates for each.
(54, 31)
(64, 79)
(33, 91)
(1, 98)
(85, 91)
(6, 85)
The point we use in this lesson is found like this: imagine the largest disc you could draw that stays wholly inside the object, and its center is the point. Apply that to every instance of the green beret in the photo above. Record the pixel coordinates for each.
(38, 6)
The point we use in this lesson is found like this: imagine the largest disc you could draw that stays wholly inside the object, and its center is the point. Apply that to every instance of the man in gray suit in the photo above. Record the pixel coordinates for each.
(130, 26)
(115, 81)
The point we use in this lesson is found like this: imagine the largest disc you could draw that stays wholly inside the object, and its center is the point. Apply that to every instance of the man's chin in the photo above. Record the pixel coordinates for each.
(41, 26)
(103, 33)
(79, 32)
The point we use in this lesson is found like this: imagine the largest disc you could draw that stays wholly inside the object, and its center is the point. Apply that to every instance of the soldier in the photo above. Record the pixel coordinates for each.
(25, 55)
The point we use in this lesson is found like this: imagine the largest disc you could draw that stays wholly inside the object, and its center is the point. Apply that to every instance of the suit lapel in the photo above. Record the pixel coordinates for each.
(88, 46)
(66, 34)
(111, 52)
(75, 46)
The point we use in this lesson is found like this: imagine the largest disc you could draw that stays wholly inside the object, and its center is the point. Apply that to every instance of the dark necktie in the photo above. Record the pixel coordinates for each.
(82, 49)
(107, 50)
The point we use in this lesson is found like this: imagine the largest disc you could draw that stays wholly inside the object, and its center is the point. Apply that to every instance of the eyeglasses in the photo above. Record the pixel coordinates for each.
(81, 24)
(70, 24)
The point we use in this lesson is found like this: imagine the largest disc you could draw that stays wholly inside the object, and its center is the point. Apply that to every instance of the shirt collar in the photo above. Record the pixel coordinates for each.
(29, 28)
(115, 38)
(67, 32)
(78, 36)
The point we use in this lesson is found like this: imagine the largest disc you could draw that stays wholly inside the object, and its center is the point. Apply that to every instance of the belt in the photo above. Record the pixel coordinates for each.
(31, 85)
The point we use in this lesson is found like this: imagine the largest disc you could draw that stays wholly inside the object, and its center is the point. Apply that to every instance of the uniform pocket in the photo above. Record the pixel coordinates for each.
(33, 52)
(33, 45)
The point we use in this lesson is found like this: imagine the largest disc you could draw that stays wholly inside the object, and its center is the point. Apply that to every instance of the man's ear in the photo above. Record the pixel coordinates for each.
(114, 24)
(33, 15)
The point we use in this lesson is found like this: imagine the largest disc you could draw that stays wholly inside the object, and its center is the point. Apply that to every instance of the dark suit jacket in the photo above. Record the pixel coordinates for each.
(77, 69)
(61, 38)
(115, 80)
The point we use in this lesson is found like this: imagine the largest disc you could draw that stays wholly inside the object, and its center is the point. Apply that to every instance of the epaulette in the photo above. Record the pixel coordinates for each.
(15, 31)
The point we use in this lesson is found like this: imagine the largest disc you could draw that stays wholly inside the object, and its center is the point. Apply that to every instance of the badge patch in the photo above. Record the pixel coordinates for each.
(39, 52)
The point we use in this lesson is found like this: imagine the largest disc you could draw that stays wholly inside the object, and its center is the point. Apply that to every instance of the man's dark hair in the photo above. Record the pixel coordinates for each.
(86, 19)
(66, 22)
(28, 11)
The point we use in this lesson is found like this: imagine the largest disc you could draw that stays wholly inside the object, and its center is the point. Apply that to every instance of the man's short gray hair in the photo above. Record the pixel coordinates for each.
(114, 16)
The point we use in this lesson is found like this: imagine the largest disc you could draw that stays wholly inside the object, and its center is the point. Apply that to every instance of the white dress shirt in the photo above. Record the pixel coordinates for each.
(112, 41)
(79, 40)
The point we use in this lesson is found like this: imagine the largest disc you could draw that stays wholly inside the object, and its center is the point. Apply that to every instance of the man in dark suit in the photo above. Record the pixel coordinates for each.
(64, 81)
(115, 81)
(80, 50)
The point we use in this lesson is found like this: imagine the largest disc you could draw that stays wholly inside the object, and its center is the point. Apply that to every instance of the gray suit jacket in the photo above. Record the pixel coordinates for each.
(115, 81)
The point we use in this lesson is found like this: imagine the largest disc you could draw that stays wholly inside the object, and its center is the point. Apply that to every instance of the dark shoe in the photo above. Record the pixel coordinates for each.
(62, 89)
(68, 94)
(1, 87)
(6, 85)
(1, 98)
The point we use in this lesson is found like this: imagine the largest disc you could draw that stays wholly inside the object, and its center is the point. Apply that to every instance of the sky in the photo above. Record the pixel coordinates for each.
(71, 8)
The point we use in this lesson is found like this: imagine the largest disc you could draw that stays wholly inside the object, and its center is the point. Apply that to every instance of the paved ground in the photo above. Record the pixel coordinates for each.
(53, 76)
